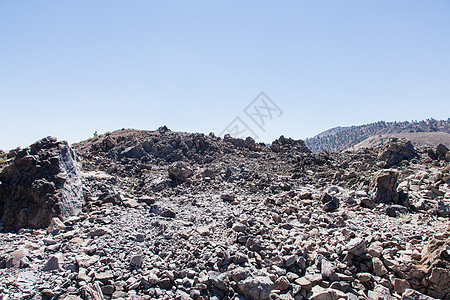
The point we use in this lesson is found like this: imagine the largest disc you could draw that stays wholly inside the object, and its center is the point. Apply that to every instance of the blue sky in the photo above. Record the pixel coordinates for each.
(69, 68)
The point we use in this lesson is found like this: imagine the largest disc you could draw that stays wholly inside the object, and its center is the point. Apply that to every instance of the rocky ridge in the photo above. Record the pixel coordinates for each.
(341, 138)
(189, 216)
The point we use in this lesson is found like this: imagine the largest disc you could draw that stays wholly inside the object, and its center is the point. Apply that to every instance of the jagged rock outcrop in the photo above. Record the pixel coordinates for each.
(248, 143)
(283, 144)
(41, 182)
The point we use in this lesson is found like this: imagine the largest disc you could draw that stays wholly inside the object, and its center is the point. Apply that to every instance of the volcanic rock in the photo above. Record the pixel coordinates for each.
(384, 188)
(180, 171)
(395, 151)
(283, 144)
(357, 246)
(247, 223)
(256, 288)
(411, 294)
(42, 182)
(441, 151)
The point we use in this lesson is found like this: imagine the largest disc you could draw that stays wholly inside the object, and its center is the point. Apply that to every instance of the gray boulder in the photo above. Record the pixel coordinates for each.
(256, 288)
(180, 171)
(383, 188)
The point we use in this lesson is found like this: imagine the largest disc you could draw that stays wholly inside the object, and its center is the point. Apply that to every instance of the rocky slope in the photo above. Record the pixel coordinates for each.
(190, 216)
(418, 139)
(341, 138)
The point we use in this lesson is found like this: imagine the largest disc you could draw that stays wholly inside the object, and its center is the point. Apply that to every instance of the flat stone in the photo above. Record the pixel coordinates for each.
(204, 230)
(410, 294)
(136, 260)
(340, 286)
(364, 277)
(99, 231)
(356, 246)
(104, 276)
(53, 263)
(304, 283)
(131, 203)
(319, 293)
(85, 261)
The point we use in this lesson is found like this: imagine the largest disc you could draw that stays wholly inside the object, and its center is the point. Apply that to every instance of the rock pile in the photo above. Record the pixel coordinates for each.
(233, 219)
(283, 144)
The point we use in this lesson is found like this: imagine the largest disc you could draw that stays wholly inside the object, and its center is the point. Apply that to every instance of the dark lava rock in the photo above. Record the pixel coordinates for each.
(367, 203)
(283, 144)
(396, 210)
(248, 143)
(384, 187)
(395, 151)
(432, 154)
(441, 150)
(179, 171)
(330, 202)
(43, 181)
(331, 205)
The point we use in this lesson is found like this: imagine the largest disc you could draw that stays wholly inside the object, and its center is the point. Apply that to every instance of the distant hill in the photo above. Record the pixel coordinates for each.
(430, 139)
(341, 138)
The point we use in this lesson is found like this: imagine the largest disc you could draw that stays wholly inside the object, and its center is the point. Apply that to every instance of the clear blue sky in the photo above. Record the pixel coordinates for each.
(69, 68)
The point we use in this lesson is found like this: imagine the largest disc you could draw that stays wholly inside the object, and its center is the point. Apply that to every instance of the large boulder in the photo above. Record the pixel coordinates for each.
(383, 188)
(441, 151)
(41, 182)
(395, 151)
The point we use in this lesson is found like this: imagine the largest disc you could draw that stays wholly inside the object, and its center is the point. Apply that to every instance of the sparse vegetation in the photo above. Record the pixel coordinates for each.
(340, 138)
